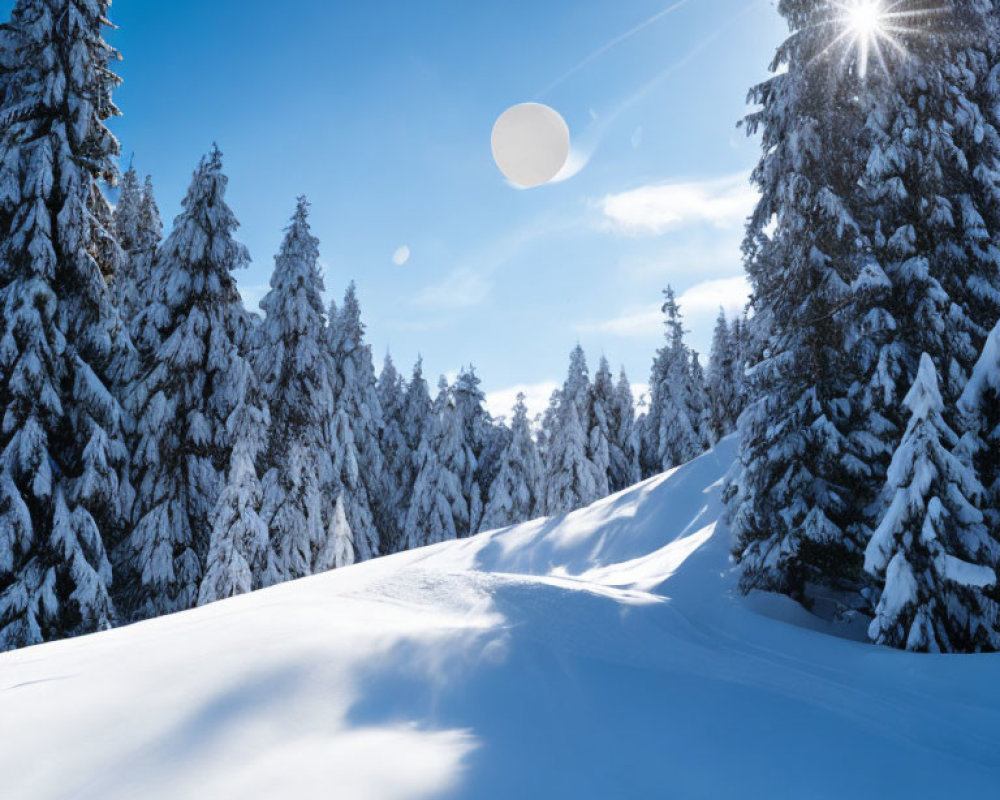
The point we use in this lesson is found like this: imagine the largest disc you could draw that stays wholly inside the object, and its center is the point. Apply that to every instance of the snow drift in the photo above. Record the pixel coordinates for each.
(600, 654)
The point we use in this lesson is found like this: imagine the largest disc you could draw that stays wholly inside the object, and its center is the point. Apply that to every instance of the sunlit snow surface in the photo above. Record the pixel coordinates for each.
(600, 655)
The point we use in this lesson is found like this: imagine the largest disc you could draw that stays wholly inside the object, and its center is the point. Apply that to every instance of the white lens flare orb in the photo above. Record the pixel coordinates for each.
(530, 144)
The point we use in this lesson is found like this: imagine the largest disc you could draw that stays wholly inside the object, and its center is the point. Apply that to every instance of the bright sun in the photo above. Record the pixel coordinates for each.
(865, 17)
(866, 25)
(871, 29)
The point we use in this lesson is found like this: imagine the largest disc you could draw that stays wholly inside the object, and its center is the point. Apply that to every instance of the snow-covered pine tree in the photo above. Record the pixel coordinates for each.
(416, 408)
(932, 208)
(793, 505)
(358, 462)
(572, 479)
(240, 557)
(139, 231)
(189, 336)
(482, 448)
(624, 452)
(339, 539)
(932, 549)
(125, 217)
(600, 406)
(721, 389)
(548, 421)
(741, 349)
(62, 345)
(295, 369)
(980, 403)
(438, 509)
(672, 427)
(399, 473)
(698, 401)
(516, 492)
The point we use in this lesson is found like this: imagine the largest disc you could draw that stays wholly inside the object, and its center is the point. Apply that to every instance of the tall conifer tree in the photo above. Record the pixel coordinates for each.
(296, 372)
(62, 345)
(190, 336)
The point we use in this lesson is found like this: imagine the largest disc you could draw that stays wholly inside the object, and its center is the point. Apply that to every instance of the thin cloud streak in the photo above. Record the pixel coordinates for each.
(652, 209)
(611, 45)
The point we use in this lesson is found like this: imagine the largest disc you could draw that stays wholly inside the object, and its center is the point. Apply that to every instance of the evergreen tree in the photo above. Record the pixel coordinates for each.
(190, 336)
(516, 493)
(624, 446)
(484, 444)
(792, 505)
(671, 430)
(296, 372)
(438, 509)
(931, 207)
(601, 409)
(240, 557)
(698, 402)
(399, 456)
(721, 389)
(358, 464)
(339, 539)
(572, 479)
(981, 404)
(139, 230)
(931, 548)
(416, 408)
(62, 346)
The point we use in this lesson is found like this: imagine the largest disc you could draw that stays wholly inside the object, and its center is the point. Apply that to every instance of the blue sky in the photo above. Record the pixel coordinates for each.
(381, 113)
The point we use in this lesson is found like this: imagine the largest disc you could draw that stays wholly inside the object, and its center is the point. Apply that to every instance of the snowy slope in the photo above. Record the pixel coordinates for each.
(600, 655)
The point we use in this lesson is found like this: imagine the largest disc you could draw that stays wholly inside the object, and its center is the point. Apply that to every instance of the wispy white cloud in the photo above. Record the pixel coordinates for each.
(707, 254)
(470, 285)
(700, 305)
(635, 322)
(730, 294)
(653, 209)
(463, 288)
(536, 398)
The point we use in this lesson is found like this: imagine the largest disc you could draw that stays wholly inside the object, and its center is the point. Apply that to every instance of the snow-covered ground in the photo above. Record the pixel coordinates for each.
(599, 655)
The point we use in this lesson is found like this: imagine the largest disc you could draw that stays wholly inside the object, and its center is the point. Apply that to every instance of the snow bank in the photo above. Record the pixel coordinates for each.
(601, 654)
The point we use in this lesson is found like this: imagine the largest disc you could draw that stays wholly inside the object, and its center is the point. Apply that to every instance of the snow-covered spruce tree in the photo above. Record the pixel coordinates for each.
(189, 336)
(358, 463)
(980, 403)
(399, 472)
(721, 389)
(240, 557)
(480, 457)
(547, 424)
(139, 231)
(516, 492)
(931, 187)
(933, 182)
(295, 369)
(792, 505)
(698, 401)
(601, 406)
(416, 408)
(438, 509)
(62, 346)
(672, 428)
(741, 349)
(339, 547)
(624, 452)
(572, 479)
(931, 549)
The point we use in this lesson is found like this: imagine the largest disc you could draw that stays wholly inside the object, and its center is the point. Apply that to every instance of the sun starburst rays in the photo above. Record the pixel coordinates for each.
(864, 31)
